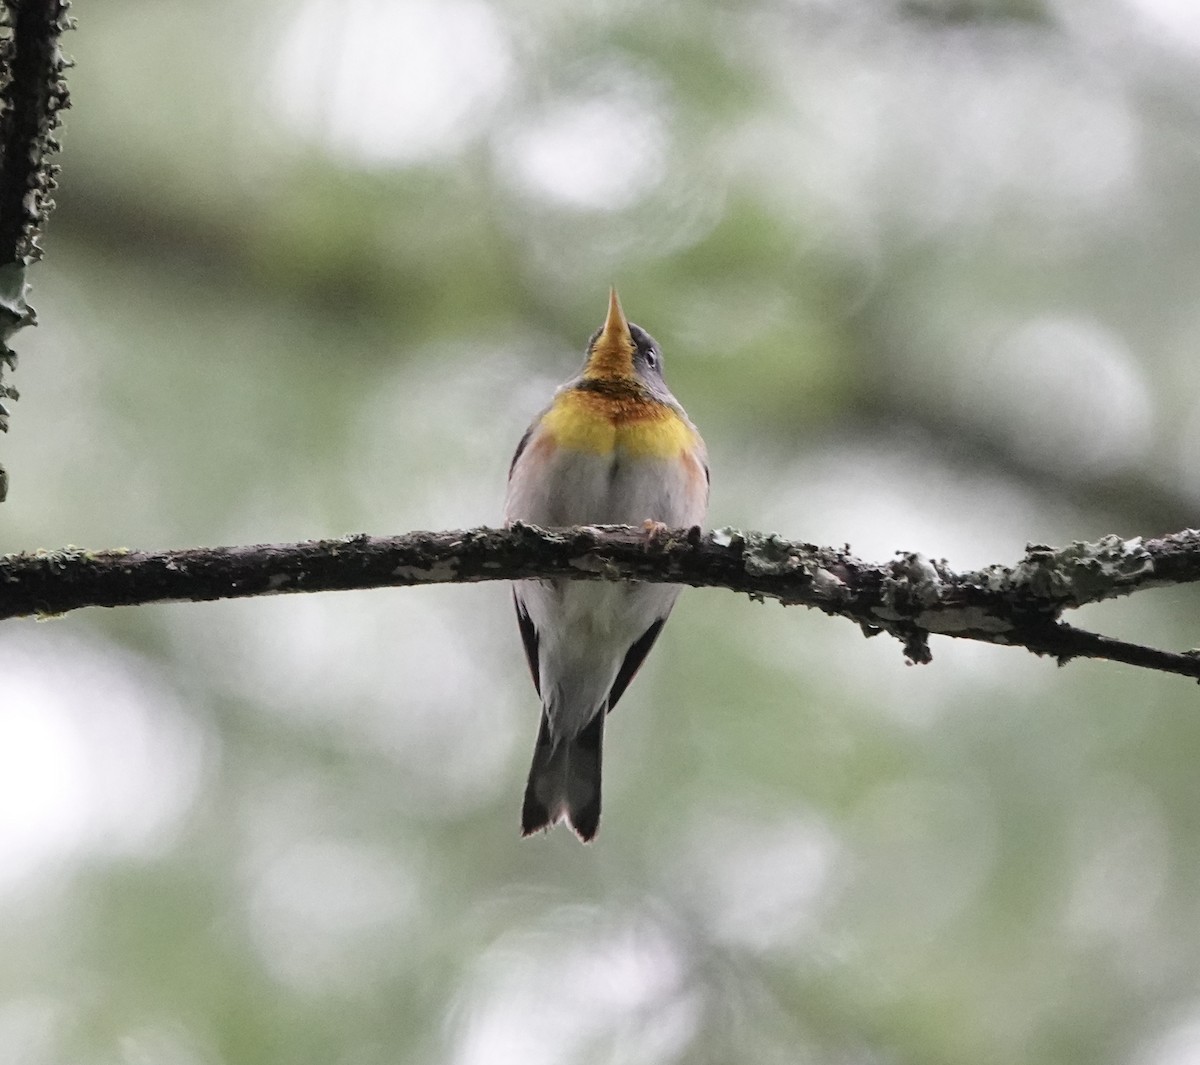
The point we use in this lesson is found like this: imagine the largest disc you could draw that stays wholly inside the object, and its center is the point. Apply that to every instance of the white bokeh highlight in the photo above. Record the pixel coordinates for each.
(97, 754)
(581, 983)
(603, 152)
(1066, 392)
(383, 83)
(321, 910)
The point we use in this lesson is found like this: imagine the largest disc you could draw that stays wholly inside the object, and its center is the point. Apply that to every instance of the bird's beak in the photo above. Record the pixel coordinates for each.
(612, 353)
(616, 328)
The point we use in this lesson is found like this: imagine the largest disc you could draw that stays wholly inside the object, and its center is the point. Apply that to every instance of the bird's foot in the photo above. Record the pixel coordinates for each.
(655, 532)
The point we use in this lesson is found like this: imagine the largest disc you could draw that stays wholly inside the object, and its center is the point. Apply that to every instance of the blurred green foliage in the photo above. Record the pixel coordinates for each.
(924, 276)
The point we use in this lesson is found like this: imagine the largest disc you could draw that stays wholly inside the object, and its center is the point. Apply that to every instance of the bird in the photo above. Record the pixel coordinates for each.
(613, 447)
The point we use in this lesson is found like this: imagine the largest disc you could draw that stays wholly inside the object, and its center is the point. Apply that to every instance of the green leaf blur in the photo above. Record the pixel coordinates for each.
(923, 273)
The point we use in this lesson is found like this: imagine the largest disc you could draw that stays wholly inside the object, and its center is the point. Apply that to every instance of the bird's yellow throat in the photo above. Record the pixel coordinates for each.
(599, 423)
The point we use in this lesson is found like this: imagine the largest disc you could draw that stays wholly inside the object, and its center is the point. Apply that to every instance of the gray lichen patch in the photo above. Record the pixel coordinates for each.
(436, 573)
(963, 621)
(1076, 574)
(994, 578)
(63, 558)
(826, 583)
(912, 583)
(15, 312)
(533, 534)
(726, 536)
(770, 555)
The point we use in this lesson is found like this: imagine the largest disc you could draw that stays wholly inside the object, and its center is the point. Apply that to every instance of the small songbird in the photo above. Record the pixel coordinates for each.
(612, 448)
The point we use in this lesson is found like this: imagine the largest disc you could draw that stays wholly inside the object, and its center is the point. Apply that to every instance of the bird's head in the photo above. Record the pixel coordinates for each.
(621, 353)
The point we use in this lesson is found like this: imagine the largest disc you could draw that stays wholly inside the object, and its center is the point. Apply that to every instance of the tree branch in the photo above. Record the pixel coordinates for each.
(910, 597)
(32, 96)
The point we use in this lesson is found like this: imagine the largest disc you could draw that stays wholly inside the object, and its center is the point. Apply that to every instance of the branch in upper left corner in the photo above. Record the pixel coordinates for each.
(33, 94)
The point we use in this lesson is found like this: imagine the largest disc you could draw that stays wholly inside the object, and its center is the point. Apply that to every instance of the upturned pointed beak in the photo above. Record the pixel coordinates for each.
(611, 355)
(616, 328)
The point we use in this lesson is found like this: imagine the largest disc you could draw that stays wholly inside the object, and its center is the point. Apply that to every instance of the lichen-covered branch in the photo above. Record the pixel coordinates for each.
(32, 96)
(909, 597)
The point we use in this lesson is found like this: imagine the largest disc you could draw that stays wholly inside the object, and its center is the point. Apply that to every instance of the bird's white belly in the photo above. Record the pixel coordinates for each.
(585, 628)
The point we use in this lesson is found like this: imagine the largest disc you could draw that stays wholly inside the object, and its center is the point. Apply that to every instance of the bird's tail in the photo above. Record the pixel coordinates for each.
(564, 780)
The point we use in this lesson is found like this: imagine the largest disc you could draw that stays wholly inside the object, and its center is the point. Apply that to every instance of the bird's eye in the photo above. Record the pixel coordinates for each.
(652, 359)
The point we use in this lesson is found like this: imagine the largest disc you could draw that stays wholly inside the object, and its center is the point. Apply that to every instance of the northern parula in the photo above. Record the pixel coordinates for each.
(614, 447)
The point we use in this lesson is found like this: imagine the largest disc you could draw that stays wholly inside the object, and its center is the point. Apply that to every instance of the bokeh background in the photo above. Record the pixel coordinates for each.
(926, 274)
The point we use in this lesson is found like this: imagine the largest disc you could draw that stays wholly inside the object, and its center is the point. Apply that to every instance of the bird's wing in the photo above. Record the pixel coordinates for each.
(521, 446)
(529, 638)
(633, 661)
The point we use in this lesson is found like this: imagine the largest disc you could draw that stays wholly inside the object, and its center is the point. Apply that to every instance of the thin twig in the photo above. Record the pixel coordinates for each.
(1066, 642)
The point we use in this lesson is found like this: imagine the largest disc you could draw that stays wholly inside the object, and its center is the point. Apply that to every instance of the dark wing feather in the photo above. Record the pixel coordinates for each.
(633, 661)
(529, 638)
(521, 447)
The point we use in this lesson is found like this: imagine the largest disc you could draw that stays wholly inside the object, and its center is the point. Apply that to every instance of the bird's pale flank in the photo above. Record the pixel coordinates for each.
(612, 448)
